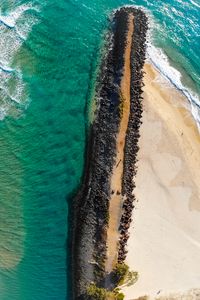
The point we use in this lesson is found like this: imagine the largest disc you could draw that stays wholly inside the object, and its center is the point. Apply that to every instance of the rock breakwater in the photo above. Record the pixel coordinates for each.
(132, 135)
(91, 205)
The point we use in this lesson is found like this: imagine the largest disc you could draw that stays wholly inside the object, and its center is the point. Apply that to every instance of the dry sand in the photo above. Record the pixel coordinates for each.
(116, 200)
(164, 246)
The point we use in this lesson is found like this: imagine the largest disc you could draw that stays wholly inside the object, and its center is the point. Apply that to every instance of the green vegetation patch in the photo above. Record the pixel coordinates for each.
(120, 275)
(96, 293)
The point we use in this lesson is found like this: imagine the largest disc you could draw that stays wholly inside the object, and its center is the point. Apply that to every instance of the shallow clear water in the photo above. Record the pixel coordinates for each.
(49, 53)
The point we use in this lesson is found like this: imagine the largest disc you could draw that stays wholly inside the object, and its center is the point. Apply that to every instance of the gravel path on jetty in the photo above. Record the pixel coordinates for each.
(116, 198)
(91, 217)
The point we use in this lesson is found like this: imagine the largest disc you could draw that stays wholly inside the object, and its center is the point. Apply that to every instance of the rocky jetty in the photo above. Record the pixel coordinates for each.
(132, 135)
(91, 205)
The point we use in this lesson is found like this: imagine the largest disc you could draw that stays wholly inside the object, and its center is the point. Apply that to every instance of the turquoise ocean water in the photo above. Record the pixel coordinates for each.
(49, 51)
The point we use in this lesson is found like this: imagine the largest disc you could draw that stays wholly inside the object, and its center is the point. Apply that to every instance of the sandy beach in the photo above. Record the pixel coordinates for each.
(164, 243)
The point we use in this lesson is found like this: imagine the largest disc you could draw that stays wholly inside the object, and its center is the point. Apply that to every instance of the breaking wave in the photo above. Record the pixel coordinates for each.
(15, 26)
(161, 62)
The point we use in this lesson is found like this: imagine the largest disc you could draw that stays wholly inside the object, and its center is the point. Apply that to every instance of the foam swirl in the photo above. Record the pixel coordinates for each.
(15, 26)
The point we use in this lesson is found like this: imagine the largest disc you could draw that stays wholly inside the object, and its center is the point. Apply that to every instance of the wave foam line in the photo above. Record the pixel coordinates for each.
(15, 26)
(10, 19)
(5, 68)
(161, 62)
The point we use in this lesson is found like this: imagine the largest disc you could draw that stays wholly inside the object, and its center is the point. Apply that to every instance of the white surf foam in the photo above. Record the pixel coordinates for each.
(3, 112)
(6, 68)
(161, 62)
(24, 27)
(195, 3)
(10, 19)
(14, 26)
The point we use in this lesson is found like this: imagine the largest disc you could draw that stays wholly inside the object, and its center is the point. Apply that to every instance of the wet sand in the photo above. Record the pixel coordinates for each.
(164, 243)
(116, 199)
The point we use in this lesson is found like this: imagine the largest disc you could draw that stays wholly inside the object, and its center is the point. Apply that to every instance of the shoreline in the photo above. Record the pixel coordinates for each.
(164, 238)
(91, 206)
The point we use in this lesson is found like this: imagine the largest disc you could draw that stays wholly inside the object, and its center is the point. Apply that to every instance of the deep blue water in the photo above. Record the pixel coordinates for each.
(49, 53)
